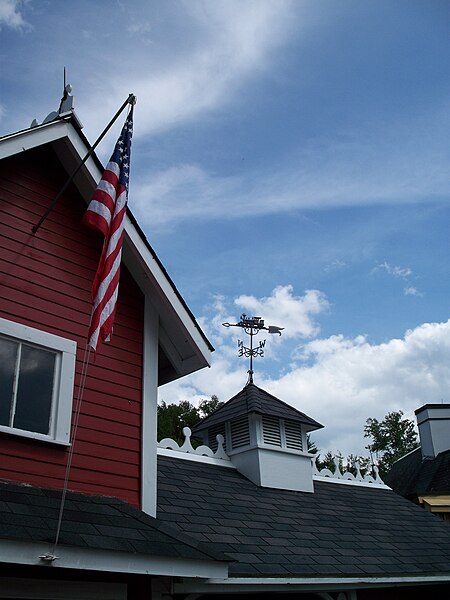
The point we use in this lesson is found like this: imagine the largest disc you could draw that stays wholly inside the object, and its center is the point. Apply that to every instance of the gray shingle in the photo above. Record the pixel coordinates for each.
(252, 399)
(340, 530)
(94, 522)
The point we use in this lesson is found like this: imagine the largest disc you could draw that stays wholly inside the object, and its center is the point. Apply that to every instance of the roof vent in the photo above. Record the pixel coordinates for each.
(265, 438)
(240, 432)
(293, 435)
(271, 431)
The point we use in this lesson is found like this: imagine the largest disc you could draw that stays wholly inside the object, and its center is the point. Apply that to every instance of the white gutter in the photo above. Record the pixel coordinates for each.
(278, 584)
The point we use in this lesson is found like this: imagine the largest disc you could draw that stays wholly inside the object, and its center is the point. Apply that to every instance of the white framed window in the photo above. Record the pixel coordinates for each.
(37, 371)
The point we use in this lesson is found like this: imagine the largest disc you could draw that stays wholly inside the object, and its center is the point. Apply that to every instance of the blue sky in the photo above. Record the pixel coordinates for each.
(291, 160)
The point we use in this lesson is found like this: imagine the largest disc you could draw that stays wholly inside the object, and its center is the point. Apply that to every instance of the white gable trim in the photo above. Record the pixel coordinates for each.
(169, 301)
(24, 553)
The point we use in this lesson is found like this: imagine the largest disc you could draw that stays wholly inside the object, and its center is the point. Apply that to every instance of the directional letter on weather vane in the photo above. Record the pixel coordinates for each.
(252, 326)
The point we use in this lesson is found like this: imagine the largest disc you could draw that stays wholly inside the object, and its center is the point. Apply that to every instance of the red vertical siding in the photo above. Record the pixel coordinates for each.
(45, 282)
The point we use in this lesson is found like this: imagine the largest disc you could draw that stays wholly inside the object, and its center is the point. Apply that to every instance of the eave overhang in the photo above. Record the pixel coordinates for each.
(234, 585)
(111, 561)
(182, 341)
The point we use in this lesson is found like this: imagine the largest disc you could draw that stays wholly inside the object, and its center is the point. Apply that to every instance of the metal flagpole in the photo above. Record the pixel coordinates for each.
(130, 100)
(50, 556)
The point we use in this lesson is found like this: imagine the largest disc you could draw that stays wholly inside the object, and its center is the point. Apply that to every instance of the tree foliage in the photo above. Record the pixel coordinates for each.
(173, 417)
(392, 438)
(327, 460)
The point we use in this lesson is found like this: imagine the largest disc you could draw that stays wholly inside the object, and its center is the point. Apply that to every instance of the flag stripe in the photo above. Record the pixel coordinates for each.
(106, 213)
(105, 283)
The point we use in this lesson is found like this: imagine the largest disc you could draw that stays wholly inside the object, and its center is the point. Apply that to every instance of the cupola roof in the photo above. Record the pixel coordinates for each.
(253, 399)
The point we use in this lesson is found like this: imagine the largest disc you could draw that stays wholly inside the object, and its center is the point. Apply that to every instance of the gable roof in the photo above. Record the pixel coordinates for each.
(338, 531)
(184, 344)
(412, 476)
(30, 514)
(253, 399)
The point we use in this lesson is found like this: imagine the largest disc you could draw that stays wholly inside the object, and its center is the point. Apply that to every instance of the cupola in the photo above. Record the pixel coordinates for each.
(265, 439)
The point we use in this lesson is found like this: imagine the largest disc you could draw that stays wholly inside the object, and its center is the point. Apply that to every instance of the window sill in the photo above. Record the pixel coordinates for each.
(40, 437)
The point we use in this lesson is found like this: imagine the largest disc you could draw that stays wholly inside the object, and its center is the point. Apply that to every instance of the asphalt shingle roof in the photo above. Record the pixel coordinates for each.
(412, 476)
(30, 514)
(339, 530)
(252, 399)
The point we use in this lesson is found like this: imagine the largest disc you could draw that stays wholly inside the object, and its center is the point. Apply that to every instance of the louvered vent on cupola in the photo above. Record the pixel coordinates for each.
(293, 435)
(282, 433)
(214, 431)
(240, 432)
(271, 431)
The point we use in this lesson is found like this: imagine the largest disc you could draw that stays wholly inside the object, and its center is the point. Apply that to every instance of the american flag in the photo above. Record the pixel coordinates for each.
(106, 213)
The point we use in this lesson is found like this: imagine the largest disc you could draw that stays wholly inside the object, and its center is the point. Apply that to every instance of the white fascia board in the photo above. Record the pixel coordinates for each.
(301, 584)
(67, 143)
(32, 138)
(88, 559)
(47, 134)
(169, 305)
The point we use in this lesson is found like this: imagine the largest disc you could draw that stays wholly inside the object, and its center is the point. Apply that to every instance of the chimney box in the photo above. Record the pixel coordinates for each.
(433, 421)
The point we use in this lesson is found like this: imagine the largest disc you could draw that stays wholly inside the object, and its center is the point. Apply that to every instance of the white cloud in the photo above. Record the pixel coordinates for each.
(372, 169)
(222, 45)
(139, 28)
(403, 273)
(335, 265)
(282, 308)
(351, 380)
(412, 291)
(337, 380)
(181, 192)
(394, 270)
(11, 14)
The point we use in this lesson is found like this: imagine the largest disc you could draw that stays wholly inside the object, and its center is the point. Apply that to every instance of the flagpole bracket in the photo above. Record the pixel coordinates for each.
(130, 100)
(48, 557)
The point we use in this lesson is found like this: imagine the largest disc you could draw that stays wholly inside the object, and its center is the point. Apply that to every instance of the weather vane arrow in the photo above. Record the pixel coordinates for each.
(252, 326)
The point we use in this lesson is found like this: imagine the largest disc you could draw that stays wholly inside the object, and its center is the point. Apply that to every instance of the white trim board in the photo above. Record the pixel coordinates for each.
(273, 584)
(28, 553)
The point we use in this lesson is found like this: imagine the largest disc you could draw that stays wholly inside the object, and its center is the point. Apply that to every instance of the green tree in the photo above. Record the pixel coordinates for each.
(392, 438)
(327, 462)
(173, 417)
(207, 407)
(312, 447)
(365, 464)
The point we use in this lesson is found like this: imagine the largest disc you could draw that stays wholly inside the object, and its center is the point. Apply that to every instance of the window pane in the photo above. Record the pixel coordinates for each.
(35, 390)
(8, 356)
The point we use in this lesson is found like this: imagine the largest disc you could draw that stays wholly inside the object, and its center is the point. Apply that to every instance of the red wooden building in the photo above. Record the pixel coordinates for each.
(45, 306)
(45, 283)
(256, 521)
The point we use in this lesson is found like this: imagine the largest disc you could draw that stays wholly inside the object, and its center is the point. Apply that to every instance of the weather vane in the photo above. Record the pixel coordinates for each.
(252, 326)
